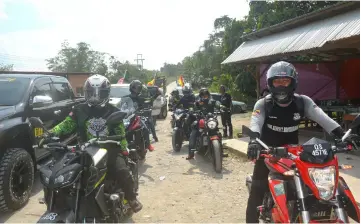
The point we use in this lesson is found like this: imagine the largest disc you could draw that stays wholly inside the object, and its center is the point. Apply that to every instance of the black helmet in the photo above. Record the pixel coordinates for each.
(282, 81)
(175, 92)
(186, 91)
(204, 95)
(135, 87)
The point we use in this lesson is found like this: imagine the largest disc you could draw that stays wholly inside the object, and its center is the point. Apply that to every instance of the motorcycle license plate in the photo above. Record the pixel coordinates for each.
(38, 132)
(205, 140)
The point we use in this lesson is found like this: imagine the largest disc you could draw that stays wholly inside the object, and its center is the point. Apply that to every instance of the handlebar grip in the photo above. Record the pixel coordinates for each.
(56, 145)
(115, 138)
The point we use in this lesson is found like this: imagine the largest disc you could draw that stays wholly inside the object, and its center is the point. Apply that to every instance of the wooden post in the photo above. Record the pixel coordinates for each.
(257, 77)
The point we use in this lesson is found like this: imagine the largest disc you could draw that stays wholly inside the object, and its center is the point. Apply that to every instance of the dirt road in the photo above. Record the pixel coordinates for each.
(173, 189)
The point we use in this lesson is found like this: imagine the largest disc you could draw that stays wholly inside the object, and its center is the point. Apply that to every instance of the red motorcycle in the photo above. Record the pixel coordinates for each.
(304, 183)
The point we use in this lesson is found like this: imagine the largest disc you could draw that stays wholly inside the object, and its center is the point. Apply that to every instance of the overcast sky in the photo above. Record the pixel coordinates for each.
(162, 30)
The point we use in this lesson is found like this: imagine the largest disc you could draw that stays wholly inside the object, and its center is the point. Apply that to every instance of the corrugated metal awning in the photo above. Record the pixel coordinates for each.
(311, 36)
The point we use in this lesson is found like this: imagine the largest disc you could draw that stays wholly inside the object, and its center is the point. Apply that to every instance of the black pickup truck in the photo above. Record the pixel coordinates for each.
(22, 96)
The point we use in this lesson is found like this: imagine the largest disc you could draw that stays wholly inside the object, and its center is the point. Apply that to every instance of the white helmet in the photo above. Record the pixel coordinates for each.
(97, 90)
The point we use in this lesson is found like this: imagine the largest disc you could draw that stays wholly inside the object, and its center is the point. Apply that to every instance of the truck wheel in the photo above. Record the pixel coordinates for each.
(16, 179)
(163, 113)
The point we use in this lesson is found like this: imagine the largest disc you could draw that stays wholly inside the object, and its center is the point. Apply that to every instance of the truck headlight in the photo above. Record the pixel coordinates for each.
(324, 179)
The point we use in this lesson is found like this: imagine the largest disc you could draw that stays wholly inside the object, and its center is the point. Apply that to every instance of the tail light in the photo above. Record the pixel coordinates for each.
(135, 124)
(201, 123)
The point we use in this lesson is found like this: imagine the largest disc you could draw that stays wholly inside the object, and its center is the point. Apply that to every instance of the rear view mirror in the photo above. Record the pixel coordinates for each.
(116, 117)
(248, 132)
(356, 122)
(42, 101)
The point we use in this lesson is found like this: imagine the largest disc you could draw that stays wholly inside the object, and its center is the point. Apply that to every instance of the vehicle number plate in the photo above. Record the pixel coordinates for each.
(38, 132)
(205, 140)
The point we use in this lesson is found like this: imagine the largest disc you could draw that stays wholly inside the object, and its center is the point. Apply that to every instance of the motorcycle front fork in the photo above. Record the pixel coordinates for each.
(305, 214)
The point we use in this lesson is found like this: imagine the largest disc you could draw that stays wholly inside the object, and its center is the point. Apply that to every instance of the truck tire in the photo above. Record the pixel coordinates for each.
(16, 179)
(163, 112)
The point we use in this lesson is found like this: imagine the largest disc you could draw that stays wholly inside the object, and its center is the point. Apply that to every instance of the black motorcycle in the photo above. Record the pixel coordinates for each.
(134, 124)
(209, 141)
(76, 187)
(181, 130)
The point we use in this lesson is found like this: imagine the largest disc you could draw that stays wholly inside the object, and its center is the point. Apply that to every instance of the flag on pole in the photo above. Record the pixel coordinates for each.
(121, 80)
(181, 81)
(152, 82)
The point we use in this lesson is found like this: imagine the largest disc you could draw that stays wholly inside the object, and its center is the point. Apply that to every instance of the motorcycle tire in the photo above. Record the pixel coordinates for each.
(217, 156)
(177, 140)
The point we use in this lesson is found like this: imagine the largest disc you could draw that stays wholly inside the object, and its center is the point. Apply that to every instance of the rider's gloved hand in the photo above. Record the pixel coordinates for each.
(254, 149)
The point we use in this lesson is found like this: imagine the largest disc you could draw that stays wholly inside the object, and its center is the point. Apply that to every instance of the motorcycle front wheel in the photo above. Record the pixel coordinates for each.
(177, 140)
(217, 156)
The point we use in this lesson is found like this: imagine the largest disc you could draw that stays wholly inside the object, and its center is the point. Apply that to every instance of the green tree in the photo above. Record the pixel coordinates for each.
(203, 67)
(78, 59)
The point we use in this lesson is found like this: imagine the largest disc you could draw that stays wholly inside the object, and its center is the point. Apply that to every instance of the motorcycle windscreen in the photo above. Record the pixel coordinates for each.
(127, 106)
(316, 151)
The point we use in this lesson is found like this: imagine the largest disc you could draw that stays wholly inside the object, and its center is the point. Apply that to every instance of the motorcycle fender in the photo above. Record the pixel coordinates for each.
(100, 199)
(280, 213)
(66, 216)
(346, 190)
(215, 137)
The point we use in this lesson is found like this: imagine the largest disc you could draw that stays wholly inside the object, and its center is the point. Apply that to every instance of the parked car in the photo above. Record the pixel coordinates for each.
(117, 91)
(23, 96)
(237, 106)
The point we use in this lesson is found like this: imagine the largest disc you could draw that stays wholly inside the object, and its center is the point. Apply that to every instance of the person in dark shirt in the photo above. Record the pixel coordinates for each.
(276, 118)
(225, 108)
(206, 105)
(136, 88)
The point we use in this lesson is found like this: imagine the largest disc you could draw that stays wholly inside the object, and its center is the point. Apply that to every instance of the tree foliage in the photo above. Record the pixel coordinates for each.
(83, 58)
(204, 68)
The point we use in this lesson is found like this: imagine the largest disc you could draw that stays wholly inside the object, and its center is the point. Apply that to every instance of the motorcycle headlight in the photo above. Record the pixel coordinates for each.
(177, 117)
(44, 178)
(212, 124)
(324, 179)
(66, 176)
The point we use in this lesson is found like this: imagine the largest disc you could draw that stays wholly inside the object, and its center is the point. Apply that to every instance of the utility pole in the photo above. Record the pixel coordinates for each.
(141, 59)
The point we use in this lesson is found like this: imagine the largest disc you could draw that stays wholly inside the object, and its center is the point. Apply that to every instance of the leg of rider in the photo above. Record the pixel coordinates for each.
(258, 189)
(192, 140)
(147, 139)
(152, 128)
(229, 123)
(224, 124)
(126, 182)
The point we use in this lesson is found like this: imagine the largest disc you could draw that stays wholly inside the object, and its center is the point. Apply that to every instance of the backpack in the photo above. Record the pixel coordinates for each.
(269, 103)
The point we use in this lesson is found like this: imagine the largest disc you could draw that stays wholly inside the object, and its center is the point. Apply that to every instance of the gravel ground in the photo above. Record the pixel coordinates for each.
(173, 189)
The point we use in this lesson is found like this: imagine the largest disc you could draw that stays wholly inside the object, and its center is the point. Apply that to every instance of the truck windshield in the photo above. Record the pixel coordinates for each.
(119, 91)
(12, 90)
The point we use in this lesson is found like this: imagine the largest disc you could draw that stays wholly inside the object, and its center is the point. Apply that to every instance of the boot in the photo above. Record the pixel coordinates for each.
(135, 205)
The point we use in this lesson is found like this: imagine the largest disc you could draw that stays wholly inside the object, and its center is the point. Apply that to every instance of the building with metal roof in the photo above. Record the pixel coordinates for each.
(332, 33)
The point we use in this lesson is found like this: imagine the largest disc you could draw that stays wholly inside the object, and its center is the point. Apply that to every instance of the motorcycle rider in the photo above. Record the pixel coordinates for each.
(206, 105)
(136, 89)
(175, 98)
(276, 118)
(87, 118)
(188, 99)
(226, 103)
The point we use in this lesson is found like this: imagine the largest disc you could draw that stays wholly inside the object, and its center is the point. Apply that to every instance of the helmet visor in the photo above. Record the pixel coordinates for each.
(96, 95)
(281, 82)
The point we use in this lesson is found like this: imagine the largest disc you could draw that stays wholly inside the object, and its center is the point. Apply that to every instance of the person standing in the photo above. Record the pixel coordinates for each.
(225, 108)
